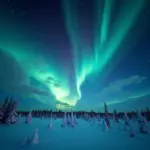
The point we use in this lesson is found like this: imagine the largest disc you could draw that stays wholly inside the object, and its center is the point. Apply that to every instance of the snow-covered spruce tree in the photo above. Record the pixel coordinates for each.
(50, 126)
(128, 125)
(10, 114)
(115, 116)
(28, 118)
(1, 115)
(142, 123)
(3, 109)
(64, 123)
(147, 113)
(107, 122)
(35, 137)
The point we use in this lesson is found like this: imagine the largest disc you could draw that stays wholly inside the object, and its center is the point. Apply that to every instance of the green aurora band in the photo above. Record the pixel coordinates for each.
(104, 49)
(85, 64)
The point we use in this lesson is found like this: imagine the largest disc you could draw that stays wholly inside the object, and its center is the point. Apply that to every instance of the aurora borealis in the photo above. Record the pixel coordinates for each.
(68, 51)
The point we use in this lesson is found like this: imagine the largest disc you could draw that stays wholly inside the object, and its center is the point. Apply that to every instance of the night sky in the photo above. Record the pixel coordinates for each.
(75, 54)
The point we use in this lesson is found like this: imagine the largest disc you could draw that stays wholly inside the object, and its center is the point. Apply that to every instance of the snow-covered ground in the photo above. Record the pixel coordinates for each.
(83, 136)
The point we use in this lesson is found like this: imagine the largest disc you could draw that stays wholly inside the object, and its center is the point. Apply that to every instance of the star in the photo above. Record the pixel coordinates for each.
(24, 12)
(81, 3)
(12, 11)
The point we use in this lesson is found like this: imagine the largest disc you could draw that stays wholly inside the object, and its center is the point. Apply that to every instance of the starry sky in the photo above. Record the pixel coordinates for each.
(75, 54)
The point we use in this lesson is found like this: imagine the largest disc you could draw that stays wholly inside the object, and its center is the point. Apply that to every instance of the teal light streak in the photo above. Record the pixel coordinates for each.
(104, 48)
